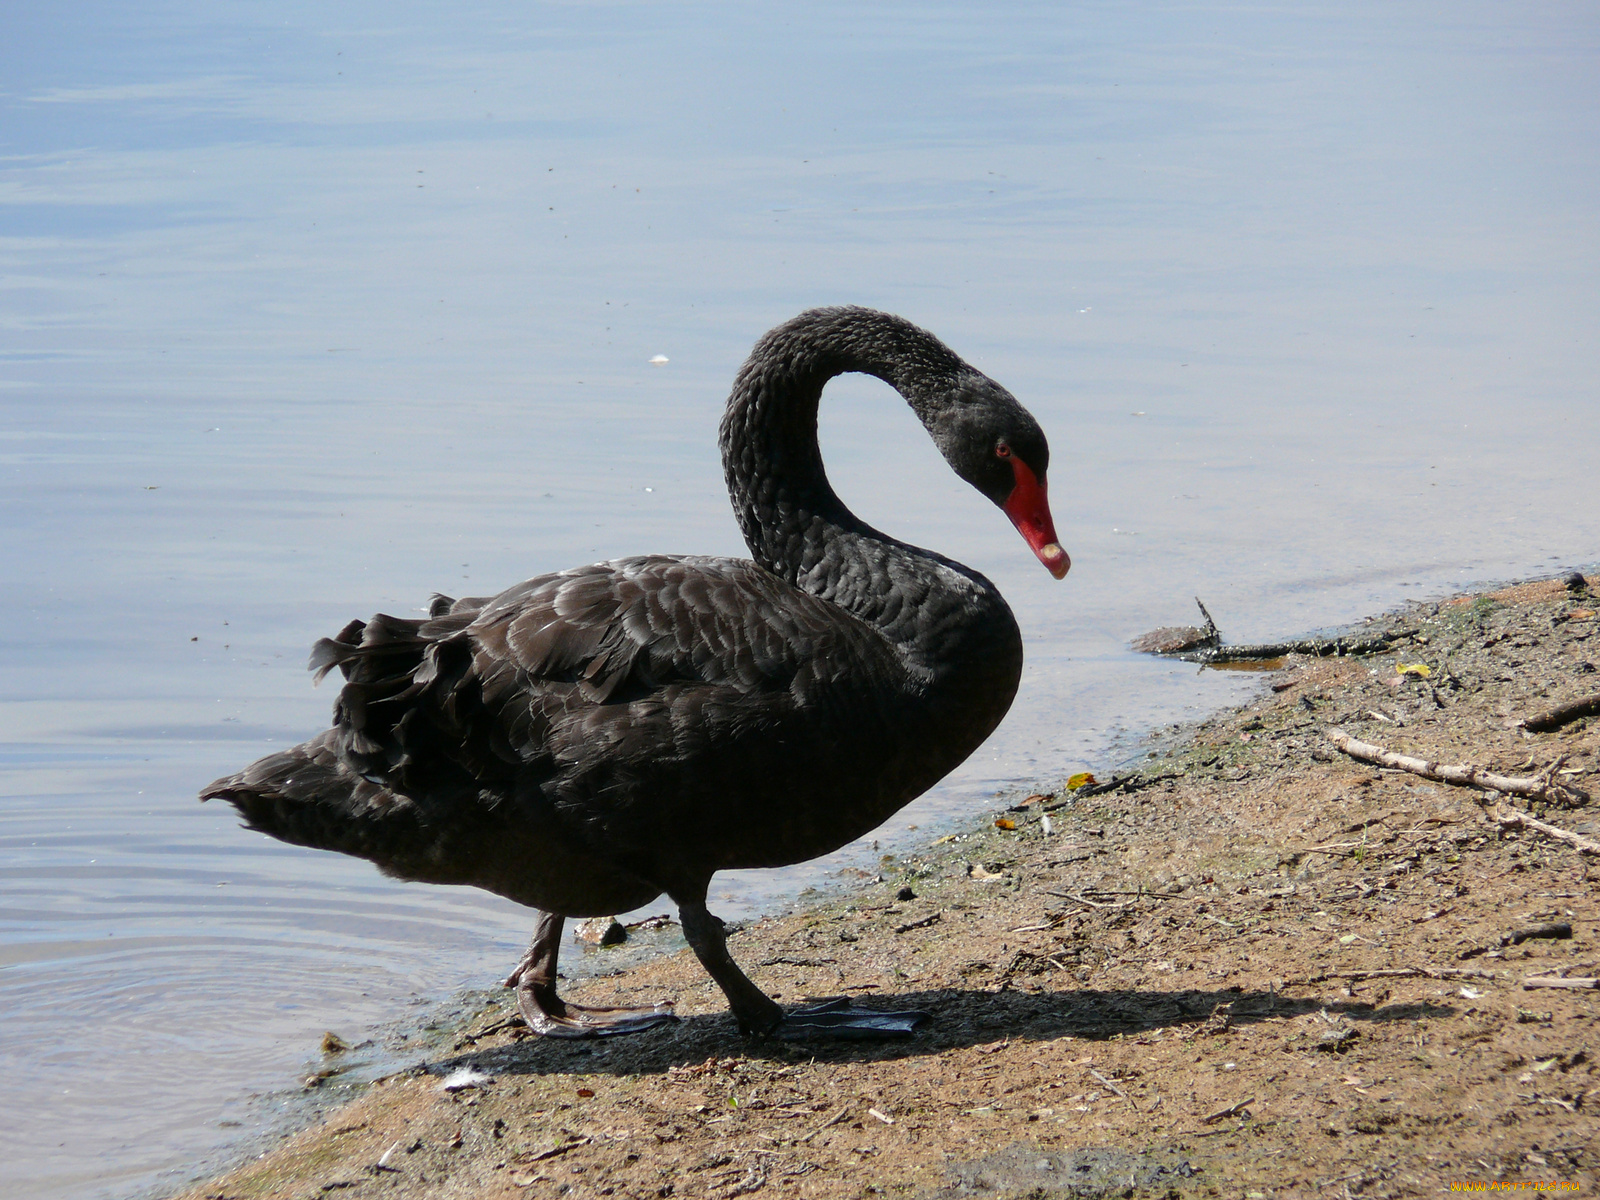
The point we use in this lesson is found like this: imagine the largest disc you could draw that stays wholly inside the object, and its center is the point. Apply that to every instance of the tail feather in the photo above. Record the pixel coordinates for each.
(333, 652)
(400, 777)
(306, 796)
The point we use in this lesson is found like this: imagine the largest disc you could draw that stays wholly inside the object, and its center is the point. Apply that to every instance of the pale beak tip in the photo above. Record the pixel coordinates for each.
(1055, 559)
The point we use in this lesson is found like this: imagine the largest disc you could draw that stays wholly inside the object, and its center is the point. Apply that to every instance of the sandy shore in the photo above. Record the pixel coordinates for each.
(1256, 967)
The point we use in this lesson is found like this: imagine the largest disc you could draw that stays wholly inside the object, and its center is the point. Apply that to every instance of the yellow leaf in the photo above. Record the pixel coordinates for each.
(1081, 779)
(1420, 670)
(1004, 823)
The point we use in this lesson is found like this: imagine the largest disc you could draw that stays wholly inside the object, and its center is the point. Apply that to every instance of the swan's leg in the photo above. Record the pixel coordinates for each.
(548, 1014)
(759, 1014)
(755, 1011)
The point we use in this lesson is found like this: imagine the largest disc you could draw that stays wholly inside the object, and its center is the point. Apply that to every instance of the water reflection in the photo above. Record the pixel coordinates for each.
(304, 315)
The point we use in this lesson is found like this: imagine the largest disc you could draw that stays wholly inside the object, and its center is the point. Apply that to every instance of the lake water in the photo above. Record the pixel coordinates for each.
(307, 311)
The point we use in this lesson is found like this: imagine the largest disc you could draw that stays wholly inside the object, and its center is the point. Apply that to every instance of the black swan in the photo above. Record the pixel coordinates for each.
(587, 741)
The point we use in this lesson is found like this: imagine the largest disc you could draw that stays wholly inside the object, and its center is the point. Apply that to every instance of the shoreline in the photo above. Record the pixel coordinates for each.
(1256, 962)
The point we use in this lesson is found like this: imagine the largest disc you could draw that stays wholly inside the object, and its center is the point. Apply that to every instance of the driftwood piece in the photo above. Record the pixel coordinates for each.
(1564, 714)
(1204, 645)
(1538, 787)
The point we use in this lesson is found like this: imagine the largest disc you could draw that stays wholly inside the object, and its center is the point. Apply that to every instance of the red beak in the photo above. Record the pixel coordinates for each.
(1029, 510)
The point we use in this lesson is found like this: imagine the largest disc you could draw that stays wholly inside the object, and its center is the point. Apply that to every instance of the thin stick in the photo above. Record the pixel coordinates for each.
(556, 1150)
(1036, 928)
(1559, 981)
(1394, 973)
(1077, 899)
(833, 1120)
(1463, 774)
(510, 1022)
(1113, 1087)
(1510, 818)
(1232, 1110)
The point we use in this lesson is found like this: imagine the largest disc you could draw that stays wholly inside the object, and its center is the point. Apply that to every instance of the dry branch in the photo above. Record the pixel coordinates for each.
(1559, 981)
(1192, 643)
(1233, 1110)
(1077, 898)
(1564, 714)
(831, 1121)
(1510, 818)
(1113, 1087)
(1461, 774)
(1393, 973)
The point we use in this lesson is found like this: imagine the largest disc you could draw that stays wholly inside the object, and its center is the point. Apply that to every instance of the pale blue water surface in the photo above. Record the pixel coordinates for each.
(309, 310)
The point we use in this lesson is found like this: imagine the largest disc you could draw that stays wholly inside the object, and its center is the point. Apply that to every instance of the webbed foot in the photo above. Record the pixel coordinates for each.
(548, 1015)
(840, 1019)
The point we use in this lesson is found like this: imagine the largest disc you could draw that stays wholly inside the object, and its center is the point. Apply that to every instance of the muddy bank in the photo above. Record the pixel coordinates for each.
(1255, 967)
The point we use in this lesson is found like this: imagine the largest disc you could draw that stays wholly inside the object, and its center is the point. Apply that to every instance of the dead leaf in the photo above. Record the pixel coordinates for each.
(1081, 779)
(1004, 823)
(1420, 670)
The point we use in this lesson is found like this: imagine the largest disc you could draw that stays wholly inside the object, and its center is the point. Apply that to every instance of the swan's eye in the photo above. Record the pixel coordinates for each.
(1002, 451)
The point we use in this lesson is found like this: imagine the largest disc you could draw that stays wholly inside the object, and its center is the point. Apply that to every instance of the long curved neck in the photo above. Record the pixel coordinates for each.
(793, 522)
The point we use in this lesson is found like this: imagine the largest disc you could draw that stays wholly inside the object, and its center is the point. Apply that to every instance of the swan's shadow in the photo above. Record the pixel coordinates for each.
(961, 1018)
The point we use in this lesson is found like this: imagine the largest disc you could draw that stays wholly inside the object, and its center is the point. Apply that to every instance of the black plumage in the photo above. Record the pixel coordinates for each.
(589, 740)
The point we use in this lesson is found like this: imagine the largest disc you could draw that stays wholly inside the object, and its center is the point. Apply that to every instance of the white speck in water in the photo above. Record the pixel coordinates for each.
(660, 360)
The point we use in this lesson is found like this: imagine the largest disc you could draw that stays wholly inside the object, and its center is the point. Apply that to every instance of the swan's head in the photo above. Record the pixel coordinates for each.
(994, 443)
